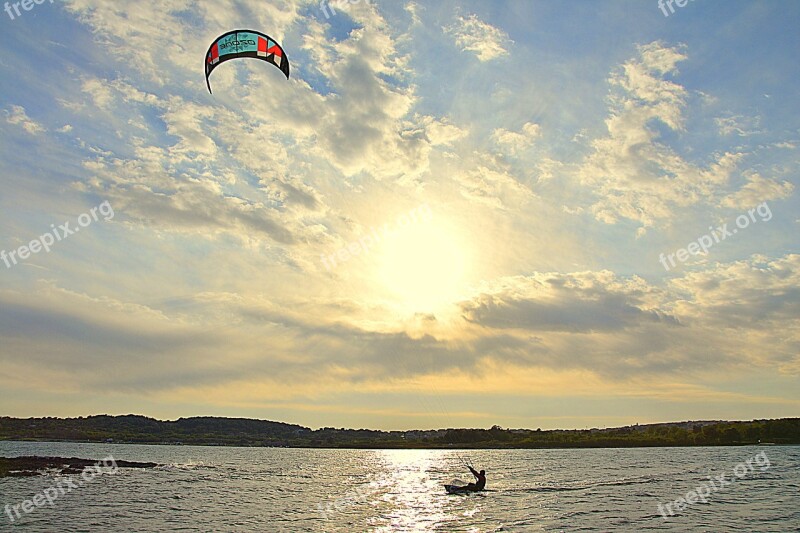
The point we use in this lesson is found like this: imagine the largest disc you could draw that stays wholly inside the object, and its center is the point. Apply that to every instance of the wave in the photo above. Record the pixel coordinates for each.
(184, 466)
(585, 486)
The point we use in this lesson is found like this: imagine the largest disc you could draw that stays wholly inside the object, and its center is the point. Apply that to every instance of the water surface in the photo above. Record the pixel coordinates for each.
(203, 488)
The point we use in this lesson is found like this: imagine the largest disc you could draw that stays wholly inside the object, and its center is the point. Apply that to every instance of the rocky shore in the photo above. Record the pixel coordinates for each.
(35, 466)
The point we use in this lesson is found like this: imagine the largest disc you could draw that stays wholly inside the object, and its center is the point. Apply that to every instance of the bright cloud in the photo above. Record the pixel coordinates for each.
(473, 35)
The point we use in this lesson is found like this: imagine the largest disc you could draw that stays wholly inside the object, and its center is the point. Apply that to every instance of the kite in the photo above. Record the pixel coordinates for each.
(245, 43)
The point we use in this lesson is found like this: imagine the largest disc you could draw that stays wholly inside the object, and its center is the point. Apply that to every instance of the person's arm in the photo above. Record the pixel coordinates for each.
(474, 473)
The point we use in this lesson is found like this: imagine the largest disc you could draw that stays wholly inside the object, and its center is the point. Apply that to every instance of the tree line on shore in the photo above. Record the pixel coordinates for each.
(249, 432)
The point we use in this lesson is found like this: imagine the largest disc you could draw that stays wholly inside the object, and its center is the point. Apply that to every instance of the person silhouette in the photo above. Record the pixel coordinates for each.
(480, 480)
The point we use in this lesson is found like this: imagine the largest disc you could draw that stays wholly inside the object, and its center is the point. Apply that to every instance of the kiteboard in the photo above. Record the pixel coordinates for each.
(457, 489)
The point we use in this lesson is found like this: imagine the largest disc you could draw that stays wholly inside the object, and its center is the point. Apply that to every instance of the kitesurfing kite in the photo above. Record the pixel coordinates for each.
(245, 43)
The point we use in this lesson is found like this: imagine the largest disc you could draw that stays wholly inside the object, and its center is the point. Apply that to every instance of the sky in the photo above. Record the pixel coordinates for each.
(534, 214)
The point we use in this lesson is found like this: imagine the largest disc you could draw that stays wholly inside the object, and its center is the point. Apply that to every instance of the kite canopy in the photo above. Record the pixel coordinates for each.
(245, 43)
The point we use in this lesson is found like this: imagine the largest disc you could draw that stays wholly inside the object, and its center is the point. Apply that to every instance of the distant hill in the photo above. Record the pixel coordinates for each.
(141, 429)
(249, 432)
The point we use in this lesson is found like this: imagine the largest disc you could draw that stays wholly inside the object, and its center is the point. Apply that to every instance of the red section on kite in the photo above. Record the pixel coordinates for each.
(213, 56)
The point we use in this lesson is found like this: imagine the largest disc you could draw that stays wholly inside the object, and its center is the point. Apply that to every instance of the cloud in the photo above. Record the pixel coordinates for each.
(634, 175)
(413, 9)
(602, 326)
(126, 33)
(438, 131)
(786, 144)
(473, 35)
(747, 301)
(579, 302)
(619, 327)
(18, 117)
(246, 167)
(756, 190)
(366, 123)
(514, 142)
(493, 186)
(739, 125)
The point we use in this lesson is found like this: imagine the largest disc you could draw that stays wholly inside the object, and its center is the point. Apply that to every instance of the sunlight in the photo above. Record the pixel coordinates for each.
(414, 496)
(424, 267)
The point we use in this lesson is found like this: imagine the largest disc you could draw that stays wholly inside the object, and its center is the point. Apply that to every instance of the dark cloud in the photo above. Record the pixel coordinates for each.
(560, 305)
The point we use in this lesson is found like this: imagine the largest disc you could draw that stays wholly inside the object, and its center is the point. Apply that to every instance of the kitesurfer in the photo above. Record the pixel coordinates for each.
(481, 480)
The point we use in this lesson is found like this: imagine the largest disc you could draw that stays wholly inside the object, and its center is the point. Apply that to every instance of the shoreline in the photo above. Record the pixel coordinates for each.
(407, 447)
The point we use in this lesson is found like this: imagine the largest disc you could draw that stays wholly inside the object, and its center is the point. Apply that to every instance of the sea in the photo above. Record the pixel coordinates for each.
(228, 489)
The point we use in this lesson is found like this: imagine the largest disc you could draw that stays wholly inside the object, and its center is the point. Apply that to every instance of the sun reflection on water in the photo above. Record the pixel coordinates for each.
(412, 493)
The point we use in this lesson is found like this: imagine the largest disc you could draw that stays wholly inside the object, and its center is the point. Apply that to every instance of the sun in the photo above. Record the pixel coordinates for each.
(424, 267)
